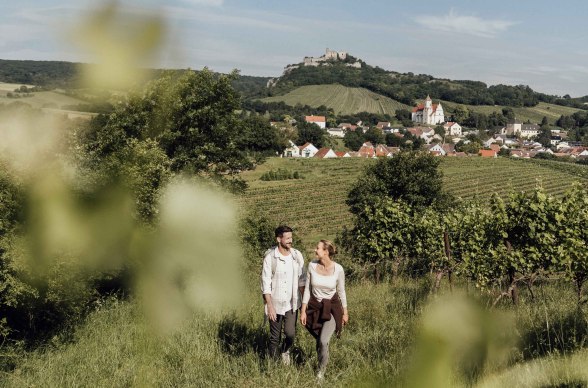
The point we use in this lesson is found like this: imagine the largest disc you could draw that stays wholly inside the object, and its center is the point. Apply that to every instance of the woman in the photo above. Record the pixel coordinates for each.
(324, 304)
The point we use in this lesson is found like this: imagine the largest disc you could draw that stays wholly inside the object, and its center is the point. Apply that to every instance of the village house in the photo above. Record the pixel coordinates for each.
(555, 140)
(342, 154)
(367, 150)
(452, 129)
(325, 153)
(435, 149)
(525, 131)
(321, 121)
(529, 131)
(293, 151)
(336, 132)
(308, 150)
(488, 153)
(382, 150)
(448, 148)
(428, 113)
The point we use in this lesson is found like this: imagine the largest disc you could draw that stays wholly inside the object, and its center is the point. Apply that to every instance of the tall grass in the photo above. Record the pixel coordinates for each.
(116, 346)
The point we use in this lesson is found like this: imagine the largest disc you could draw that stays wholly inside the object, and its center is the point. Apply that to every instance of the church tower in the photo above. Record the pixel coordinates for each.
(428, 110)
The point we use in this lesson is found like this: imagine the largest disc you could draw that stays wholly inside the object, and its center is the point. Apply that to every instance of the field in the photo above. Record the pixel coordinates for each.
(49, 101)
(316, 207)
(343, 100)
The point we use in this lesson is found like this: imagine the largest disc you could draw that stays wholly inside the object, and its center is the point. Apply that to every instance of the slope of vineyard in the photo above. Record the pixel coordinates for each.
(343, 99)
(315, 205)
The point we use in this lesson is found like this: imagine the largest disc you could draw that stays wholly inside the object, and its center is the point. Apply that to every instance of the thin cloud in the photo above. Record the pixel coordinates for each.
(471, 25)
(244, 20)
(210, 3)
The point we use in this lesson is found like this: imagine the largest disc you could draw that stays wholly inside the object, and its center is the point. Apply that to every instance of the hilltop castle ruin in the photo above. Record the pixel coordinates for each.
(330, 55)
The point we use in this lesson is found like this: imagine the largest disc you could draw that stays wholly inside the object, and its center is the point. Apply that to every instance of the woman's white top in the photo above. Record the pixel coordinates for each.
(325, 286)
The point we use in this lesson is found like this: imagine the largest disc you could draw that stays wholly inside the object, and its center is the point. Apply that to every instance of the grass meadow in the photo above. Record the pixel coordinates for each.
(399, 333)
(116, 347)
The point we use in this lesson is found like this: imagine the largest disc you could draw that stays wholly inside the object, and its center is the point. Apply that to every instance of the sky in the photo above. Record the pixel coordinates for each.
(542, 44)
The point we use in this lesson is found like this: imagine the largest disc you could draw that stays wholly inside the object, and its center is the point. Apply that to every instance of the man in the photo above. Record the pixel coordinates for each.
(282, 284)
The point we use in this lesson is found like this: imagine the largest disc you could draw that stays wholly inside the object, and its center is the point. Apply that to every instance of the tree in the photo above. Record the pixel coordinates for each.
(189, 115)
(440, 130)
(393, 140)
(471, 147)
(353, 140)
(259, 136)
(409, 176)
(460, 114)
(508, 113)
(311, 133)
(374, 135)
(403, 114)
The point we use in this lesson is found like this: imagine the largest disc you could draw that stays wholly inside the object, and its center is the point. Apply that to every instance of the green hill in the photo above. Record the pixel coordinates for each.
(534, 113)
(350, 100)
(409, 88)
(342, 99)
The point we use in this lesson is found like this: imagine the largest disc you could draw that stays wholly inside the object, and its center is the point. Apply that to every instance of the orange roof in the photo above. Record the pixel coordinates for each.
(487, 153)
(341, 154)
(320, 119)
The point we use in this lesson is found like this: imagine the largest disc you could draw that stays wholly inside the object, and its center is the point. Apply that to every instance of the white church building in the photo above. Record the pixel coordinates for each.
(428, 113)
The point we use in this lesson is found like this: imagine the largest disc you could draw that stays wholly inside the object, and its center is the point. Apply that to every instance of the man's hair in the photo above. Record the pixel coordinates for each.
(280, 230)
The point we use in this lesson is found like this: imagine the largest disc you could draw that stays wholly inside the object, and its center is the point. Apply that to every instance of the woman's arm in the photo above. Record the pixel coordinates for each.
(342, 294)
(303, 314)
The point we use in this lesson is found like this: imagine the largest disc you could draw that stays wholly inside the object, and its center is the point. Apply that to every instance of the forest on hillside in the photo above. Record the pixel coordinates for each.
(408, 87)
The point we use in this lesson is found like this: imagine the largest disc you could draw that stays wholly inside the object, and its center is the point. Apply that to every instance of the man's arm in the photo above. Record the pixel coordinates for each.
(302, 271)
(266, 286)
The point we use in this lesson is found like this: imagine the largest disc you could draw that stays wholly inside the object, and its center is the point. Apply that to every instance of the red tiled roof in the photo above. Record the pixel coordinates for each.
(320, 119)
(422, 107)
(322, 152)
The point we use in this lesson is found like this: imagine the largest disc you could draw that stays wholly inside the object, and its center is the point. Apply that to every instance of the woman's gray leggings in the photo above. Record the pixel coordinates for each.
(322, 342)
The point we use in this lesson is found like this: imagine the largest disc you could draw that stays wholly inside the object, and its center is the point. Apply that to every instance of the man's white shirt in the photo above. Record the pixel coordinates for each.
(288, 276)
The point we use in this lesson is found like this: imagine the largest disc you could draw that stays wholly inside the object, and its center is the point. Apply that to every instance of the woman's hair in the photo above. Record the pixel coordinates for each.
(330, 247)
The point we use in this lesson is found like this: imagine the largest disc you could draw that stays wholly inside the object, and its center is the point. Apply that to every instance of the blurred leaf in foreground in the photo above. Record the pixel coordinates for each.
(193, 260)
(458, 342)
(121, 42)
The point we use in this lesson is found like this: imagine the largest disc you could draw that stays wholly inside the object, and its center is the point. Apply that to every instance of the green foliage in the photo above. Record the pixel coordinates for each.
(411, 177)
(311, 133)
(259, 136)
(354, 139)
(190, 117)
(374, 135)
(280, 175)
